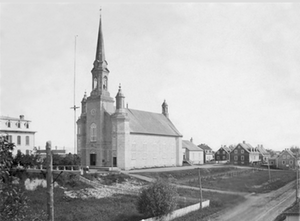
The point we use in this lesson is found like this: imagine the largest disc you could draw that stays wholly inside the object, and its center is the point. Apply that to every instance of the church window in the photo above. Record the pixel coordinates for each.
(8, 124)
(93, 132)
(18, 124)
(105, 83)
(95, 83)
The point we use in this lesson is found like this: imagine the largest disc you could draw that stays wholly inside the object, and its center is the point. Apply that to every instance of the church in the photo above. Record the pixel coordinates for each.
(111, 135)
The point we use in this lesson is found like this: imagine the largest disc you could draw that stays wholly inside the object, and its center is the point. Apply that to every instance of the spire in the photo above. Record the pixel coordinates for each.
(100, 62)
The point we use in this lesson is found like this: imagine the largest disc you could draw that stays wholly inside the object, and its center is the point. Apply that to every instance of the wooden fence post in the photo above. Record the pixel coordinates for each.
(50, 207)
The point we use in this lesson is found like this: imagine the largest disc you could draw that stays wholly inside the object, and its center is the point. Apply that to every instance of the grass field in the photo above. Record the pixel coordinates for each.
(228, 178)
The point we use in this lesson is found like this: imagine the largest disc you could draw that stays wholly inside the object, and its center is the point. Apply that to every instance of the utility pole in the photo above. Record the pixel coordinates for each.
(200, 185)
(74, 106)
(50, 206)
(269, 169)
(297, 176)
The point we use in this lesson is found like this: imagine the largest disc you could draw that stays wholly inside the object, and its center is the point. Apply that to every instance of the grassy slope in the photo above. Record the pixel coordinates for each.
(218, 202)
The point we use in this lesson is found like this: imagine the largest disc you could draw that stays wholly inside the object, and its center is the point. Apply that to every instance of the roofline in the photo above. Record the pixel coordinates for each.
(153, 134)
(18, 131)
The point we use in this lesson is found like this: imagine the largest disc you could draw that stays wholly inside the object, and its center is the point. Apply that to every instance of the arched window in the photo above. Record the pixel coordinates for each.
(105, 83)
(93, 132)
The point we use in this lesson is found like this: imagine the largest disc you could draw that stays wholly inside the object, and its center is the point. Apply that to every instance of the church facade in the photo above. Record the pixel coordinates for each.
(109, 135)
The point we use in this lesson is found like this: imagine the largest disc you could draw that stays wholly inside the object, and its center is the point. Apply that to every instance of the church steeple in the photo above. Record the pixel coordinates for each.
(100, 62)
(100, 71)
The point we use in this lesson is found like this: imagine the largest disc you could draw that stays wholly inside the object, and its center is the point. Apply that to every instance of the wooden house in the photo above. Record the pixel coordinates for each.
(208, 152)
(222, 154)
(244, 154)
(263, 154)
(192, 153)
(286, 160)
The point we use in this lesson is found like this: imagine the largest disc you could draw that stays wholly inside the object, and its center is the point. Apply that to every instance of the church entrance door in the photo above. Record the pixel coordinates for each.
(114, 161)
(93, 159)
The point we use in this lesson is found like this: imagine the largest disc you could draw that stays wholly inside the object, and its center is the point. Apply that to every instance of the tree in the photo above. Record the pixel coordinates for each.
(295, 150)
(13, 203)
(271, 152)
(157, 199)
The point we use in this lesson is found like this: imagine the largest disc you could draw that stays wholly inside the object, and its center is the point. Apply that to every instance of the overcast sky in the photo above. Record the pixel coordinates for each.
(229, 72)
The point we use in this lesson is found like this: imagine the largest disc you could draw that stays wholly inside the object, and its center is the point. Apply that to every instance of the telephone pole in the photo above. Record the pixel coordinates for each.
(74, 105)
(200, 186)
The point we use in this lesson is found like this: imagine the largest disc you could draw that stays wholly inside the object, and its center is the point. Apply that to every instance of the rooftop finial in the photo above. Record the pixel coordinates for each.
(119, 86)
(100, 11)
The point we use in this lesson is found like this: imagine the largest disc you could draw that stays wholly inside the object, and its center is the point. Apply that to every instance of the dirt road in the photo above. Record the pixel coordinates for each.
(260, 207)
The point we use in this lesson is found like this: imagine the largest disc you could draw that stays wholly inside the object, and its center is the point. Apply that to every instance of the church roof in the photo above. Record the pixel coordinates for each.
(144, 122)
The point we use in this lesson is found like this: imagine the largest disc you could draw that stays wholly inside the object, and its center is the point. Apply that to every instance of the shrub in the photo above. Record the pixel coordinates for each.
(159, 198)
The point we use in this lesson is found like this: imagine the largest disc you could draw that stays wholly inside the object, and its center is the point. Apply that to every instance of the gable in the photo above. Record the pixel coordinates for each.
(190, 146)
(144, 122)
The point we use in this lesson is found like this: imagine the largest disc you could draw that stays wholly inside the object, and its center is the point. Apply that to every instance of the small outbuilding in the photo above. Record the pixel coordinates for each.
(192, 153)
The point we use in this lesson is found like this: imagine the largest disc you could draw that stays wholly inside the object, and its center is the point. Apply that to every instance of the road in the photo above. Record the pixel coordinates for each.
(260, 207)
(257, 207)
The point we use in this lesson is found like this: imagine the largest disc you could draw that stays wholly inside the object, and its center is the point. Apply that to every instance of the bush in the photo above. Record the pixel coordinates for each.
(159, 198)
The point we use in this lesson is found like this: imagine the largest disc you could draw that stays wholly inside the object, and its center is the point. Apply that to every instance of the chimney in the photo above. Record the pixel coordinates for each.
(191, 140)
(244, 142)
(21, 117)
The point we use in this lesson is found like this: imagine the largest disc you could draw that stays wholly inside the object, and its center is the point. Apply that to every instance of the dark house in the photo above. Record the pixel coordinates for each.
(223, 154)
(244, 154)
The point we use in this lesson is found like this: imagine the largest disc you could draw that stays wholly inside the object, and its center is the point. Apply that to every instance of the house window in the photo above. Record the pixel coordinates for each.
(291, 162)
(235, 151)
(93, 132)
(19, 140)
(283, 162)
(218, 157)
(242, 151)
(284, 157)
(9, 137)
(242, 157)
(8, 124)
(27, 140)
(223, 151)
(288, 157)
(18, 124)
(27, 125)
(235, 158)
(217, 152)
(224, 157)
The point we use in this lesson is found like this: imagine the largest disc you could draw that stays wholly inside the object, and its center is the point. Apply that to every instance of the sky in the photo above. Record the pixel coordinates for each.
(229, 72)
